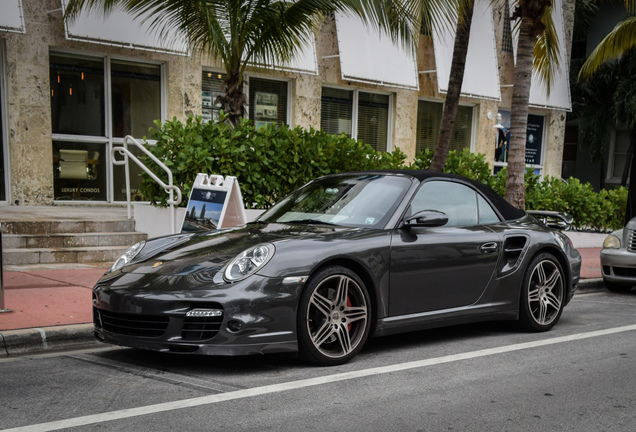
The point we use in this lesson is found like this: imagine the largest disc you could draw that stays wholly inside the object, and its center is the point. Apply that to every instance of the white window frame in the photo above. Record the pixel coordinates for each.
(354, 111)
(108, 140)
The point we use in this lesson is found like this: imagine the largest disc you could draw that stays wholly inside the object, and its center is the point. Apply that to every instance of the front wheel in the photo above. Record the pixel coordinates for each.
(543, 294)
(333, 317)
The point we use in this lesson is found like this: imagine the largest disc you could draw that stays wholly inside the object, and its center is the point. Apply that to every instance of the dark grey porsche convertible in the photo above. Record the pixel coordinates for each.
(343, 258)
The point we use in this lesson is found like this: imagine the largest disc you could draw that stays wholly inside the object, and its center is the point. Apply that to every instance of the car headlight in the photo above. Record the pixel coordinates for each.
(612, 242)
(249, 261)
(128, 256)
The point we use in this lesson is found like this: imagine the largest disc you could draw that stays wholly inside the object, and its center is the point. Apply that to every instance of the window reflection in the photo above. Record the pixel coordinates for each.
(136, 98)
(79, 171)
(77, 95)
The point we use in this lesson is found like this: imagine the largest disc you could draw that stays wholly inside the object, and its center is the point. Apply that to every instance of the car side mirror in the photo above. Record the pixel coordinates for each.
(427, 218)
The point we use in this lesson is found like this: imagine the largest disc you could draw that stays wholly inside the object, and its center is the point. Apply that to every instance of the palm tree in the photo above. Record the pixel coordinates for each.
(618, 42)
(537, 48)
(458, 65)
(242, 33)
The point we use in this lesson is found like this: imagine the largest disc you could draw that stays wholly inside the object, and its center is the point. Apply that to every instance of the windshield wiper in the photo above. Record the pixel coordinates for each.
(310, 221)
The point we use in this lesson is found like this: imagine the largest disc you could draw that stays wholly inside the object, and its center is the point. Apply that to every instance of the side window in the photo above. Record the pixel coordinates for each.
(486, 214)
(459, 202)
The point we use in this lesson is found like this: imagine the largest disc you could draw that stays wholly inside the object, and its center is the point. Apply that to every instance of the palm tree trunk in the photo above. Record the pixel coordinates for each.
(234, 101)
(458, 64)
(515, 185)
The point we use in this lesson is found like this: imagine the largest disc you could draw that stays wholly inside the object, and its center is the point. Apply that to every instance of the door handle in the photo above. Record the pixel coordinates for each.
(490, 247)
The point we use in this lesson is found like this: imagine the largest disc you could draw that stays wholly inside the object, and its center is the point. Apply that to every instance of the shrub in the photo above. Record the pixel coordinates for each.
(270, 162)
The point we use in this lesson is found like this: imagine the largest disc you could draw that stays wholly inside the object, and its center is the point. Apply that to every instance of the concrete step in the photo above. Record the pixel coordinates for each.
(47, 227)
(69, 240)
(70, 255)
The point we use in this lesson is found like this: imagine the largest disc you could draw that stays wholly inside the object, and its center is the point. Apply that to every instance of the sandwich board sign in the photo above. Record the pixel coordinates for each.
(215, 202)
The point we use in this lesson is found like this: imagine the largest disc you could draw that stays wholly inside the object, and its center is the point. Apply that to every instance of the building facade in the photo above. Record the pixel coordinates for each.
(69, 94)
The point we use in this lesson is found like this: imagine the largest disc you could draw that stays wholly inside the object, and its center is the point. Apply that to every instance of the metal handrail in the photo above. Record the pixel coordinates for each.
(169, 188)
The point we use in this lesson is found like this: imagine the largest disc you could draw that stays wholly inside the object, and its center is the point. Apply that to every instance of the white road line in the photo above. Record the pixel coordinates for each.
(276, 388)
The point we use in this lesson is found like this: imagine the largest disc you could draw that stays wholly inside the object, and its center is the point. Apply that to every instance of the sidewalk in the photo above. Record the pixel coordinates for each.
(51, 308)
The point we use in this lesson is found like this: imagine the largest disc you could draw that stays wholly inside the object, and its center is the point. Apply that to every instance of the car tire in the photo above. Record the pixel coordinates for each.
(618, 288)
(334, 317)
(543, 294)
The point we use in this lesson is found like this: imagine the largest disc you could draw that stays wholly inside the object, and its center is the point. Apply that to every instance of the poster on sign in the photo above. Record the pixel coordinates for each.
(215, 202)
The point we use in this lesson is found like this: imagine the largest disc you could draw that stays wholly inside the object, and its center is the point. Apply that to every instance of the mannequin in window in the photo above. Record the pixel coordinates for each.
(503, 140)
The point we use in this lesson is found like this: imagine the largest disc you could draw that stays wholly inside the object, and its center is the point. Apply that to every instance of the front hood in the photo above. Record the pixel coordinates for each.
(209, 252)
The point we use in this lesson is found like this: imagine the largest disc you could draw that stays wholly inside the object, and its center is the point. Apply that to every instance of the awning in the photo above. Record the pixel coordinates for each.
(559, 97)
(303, 62)
(481, 74)
(368, 56)
(11, 18)
(122, 29)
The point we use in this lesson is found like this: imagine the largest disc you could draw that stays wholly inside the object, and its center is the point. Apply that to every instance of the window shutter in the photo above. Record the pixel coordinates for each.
(373, 120)
(429, 117)
(460, 138)
(336, 111)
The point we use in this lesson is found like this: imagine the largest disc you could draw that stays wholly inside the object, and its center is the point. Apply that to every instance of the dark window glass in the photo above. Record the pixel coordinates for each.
(429, 118)
(268, 102)
(486, 214)
(336, 111)
(457, 201)
(211, 90)
(136, 98)
(3, 194)
(79, 171)
(373, 120)
(77, 95)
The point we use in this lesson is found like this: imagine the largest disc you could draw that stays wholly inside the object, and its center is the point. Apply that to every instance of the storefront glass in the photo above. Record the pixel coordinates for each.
(79, 171)
(534, 140)
(136, 98)
(81, 89)
(77, 95)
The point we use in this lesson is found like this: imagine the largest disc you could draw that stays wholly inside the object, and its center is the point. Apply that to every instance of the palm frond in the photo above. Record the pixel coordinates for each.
(546, 60)
(613, 46)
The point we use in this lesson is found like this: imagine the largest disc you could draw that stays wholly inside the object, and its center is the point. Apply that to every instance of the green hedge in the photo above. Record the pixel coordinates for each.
(271, 162)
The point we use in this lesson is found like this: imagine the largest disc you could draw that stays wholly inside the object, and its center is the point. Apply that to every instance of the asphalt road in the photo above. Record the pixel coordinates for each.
(487, 377)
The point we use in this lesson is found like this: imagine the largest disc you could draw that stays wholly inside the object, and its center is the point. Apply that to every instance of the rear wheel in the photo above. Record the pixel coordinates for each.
(333, 317)
(543, 294)
(614, 287)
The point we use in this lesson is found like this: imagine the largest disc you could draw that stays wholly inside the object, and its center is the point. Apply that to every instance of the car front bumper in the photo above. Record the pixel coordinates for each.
(618, 266)
(254, 316)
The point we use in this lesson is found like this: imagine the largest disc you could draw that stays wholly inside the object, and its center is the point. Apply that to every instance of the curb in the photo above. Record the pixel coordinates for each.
(590, 284)
(47, 339)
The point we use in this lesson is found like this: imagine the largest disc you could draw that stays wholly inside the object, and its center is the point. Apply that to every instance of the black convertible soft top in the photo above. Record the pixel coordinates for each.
(507, 210)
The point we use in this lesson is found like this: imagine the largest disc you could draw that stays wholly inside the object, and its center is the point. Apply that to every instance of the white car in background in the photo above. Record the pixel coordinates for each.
(618, 259)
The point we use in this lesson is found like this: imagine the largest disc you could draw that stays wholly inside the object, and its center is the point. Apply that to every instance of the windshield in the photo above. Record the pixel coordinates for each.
(363, 200)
